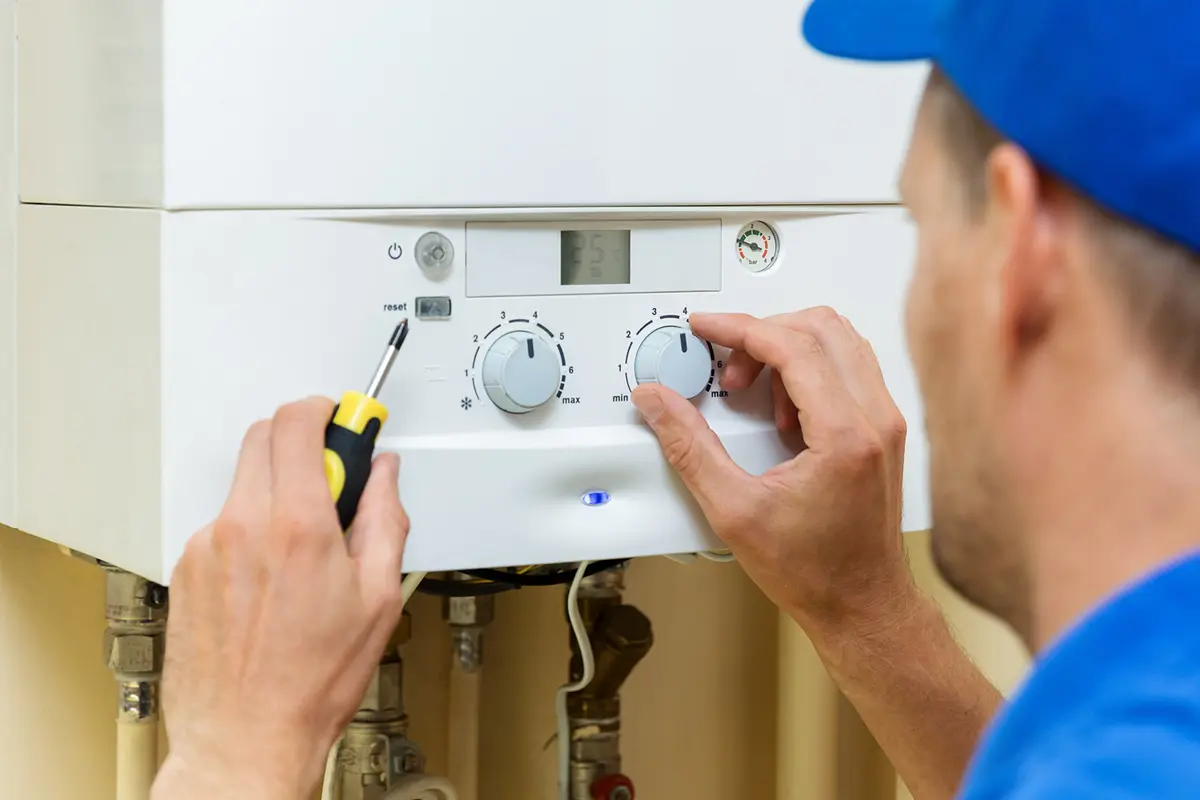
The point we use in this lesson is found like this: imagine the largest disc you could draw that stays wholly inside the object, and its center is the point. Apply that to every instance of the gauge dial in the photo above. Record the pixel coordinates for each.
(757, 246)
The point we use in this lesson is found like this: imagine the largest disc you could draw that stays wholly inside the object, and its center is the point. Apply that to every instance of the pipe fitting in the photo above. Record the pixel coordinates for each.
(607, 584)
(467, 617)
(620, 636)
(137, 701)
(423, 787)
(375, 752)
(467, 645)
(135, 642)
(374, 756)
(132, 599)
(134, 649)
(595, 753)
(384, 698)
(613, 787)
(383, 701)
(130, 653)
(469, 612)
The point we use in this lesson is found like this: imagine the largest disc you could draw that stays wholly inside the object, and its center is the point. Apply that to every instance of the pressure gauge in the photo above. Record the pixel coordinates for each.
(757, 246)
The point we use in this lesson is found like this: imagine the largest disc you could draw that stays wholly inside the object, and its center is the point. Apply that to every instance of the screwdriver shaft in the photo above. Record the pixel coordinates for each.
(389, 357)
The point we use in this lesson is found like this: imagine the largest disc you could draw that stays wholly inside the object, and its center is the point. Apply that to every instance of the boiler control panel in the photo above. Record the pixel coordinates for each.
(557, 321)
(511, 400)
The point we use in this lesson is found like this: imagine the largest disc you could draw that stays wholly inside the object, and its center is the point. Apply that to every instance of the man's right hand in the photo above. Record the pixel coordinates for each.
(820, 534)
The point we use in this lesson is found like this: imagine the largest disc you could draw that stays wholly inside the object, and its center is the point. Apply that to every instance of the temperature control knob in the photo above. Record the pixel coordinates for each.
(520, 372)
(675, 358)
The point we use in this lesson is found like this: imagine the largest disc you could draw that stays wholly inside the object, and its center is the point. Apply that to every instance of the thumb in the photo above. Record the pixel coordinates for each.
(690, 446)
(380, 530)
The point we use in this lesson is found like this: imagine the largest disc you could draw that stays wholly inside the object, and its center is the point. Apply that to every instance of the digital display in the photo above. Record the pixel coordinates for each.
(595, 258)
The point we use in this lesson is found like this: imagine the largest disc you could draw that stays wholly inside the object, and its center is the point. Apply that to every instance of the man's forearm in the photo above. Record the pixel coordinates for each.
(917, 691)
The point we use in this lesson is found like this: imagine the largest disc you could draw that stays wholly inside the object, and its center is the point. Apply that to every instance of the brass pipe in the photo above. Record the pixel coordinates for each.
(375, 751)
(467, 617)
(620, 636)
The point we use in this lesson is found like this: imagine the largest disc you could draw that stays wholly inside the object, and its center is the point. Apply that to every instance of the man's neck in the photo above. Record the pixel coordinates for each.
(1116, 496)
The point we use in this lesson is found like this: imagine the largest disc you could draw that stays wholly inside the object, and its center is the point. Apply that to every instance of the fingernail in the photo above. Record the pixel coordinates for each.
(649, 405)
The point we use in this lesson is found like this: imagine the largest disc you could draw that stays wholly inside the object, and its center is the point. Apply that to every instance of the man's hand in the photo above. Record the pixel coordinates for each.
(277, 620)
(819, 534)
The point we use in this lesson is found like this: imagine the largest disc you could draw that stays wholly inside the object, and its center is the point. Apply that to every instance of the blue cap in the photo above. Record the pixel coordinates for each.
(1104, 94)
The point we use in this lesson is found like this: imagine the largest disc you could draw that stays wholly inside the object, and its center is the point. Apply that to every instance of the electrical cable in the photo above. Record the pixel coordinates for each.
(329, 784)
(442, 588)
(558, 578)
(579, 630)
(409, 585)
(484, 582)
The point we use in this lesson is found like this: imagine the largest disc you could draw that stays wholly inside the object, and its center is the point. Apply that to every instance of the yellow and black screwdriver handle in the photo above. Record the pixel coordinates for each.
(349, 448)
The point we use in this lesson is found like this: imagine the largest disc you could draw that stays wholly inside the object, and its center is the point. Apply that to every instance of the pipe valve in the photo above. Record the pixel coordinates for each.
(613, 787)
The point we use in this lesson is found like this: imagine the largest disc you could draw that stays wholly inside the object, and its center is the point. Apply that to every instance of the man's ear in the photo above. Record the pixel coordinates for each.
(1024, 230)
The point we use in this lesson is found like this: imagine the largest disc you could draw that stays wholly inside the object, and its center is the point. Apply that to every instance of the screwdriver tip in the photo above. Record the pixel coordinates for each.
(399, 335)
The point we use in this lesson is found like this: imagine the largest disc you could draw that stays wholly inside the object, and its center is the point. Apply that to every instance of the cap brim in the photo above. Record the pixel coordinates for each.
(876, 30)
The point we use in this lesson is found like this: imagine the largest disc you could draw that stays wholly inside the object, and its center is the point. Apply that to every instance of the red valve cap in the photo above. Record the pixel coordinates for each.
(613, 787)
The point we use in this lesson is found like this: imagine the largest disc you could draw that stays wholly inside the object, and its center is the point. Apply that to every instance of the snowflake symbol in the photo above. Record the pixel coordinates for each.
(465, 403)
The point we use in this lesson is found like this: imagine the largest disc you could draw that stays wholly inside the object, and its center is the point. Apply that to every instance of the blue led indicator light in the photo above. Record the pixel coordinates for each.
(595, 498)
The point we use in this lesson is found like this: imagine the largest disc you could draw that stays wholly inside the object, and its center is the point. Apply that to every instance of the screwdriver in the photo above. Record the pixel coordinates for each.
(350, 435)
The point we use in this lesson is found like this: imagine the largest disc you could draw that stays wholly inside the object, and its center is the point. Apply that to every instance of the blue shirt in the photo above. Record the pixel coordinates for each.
(1112, 710)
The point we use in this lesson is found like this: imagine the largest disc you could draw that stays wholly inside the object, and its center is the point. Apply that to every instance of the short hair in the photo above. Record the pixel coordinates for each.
(1156, 280)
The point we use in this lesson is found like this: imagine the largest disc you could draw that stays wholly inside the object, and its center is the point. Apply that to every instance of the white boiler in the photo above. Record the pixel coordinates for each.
(229, 204)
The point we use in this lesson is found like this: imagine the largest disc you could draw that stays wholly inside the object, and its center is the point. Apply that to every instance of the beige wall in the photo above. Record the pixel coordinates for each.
(57, 701)
(713, 712)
